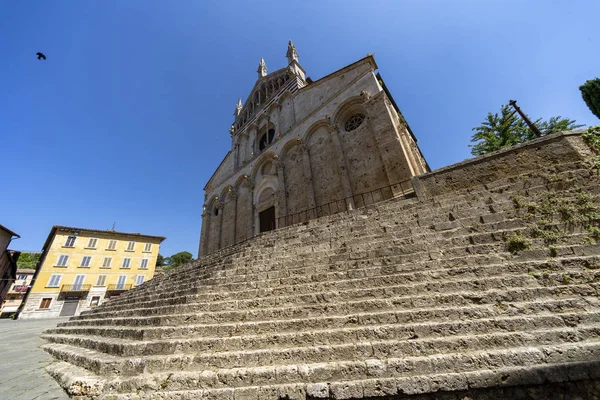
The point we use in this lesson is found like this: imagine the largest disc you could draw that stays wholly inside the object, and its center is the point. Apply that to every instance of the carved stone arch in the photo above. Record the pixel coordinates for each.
(225, 193)
(352, 105)
(266, 185)
(322, 123)
(212, 202)
(268, 156)
(288, 146)
(241, 180)
(283, 96)
(263, 117)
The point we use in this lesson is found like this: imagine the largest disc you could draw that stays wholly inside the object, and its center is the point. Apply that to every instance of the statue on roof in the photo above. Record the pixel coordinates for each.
(262, 68)
(292, 54)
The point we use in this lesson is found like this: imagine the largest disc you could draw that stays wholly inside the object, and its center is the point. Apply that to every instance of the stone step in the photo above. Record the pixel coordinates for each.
(458, 321)
(506, 382)
(191, 283)
(398, 304)
(363, 365)
(486, 307)
(383, 287)
(380, 290)
(344, 279)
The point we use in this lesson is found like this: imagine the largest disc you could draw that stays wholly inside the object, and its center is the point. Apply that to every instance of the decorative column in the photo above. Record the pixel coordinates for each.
(203, 249)
(342, 163)
(308, 175)
(219, 206)
(250, 184)
(233, 196)
(282, 201)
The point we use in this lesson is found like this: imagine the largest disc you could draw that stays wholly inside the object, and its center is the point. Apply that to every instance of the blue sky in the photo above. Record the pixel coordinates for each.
(128, 117)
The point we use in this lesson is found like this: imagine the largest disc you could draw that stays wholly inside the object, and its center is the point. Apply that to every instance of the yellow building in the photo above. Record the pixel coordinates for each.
(82, 268)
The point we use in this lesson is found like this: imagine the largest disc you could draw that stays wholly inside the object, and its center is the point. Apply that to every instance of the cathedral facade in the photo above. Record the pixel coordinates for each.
(302, 149)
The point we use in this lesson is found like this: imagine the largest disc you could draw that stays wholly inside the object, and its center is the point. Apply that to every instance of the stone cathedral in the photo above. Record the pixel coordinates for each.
(302, 149)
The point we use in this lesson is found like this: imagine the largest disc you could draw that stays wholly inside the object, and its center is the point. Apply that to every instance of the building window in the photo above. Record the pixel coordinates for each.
(266, 139)
(54, 280)
(95, 301)
(112, 245)
(101, 281)
(126, 263)
(139, 280)
(144, 264)
(130, 246)
(147, 247)
(62, 260)
(45, 304)
(85, 262)
(121, 282)
(92, 243)
(354, 122)
(22, 277)
(70, 241)
(78, 283)
(106, 262)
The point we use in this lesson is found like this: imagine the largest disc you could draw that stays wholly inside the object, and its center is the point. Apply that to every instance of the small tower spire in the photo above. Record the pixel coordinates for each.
(262, 68)
(292, 54)
(238, 107)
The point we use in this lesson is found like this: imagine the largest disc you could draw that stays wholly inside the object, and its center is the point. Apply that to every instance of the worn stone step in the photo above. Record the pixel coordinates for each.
(201, 284)
(382, 287)
(458, 321)
(344, 279)
(382, 290)
(486, 308)
(407, 302)
(330, 371)
(507, 382)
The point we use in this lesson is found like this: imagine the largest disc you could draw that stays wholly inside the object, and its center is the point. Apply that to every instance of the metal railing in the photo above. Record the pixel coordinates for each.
(75, 288)
(348, 203)
(118, 287)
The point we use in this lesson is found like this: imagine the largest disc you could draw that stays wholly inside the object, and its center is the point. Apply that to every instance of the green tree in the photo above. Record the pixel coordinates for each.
(180, 258)
(590, 91)
(160, 260)
(28, 260)
(177, 260)
(506, 129)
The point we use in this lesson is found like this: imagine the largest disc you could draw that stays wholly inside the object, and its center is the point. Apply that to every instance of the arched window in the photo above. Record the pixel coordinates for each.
(266, 137)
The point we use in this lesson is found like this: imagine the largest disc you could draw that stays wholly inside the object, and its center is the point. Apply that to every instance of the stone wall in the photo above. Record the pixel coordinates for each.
(324, 163)
(548, 150)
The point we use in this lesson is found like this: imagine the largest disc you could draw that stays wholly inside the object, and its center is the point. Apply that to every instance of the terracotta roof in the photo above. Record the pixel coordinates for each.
(71, 228)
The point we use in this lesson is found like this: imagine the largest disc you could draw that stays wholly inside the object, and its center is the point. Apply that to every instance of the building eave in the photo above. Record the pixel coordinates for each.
(369, 58)
(56, 228)
(9, 231)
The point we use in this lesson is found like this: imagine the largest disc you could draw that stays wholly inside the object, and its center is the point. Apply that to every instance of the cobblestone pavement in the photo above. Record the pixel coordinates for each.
(22, 374)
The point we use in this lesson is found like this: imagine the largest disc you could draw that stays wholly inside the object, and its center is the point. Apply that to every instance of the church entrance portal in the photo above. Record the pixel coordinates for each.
(267, 219)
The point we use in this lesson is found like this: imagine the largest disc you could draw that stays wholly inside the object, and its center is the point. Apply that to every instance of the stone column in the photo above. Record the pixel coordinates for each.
(393, 153)
(203, 248)
(308, 175)
(342, 163)
(250, 186)
(233, 197)
(282, 202)
(220, 207)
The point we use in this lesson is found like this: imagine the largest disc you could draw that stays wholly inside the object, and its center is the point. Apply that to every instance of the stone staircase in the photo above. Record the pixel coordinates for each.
(489, 292)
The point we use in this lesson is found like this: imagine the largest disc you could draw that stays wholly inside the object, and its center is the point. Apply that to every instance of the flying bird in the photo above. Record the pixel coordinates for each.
(41, 56)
